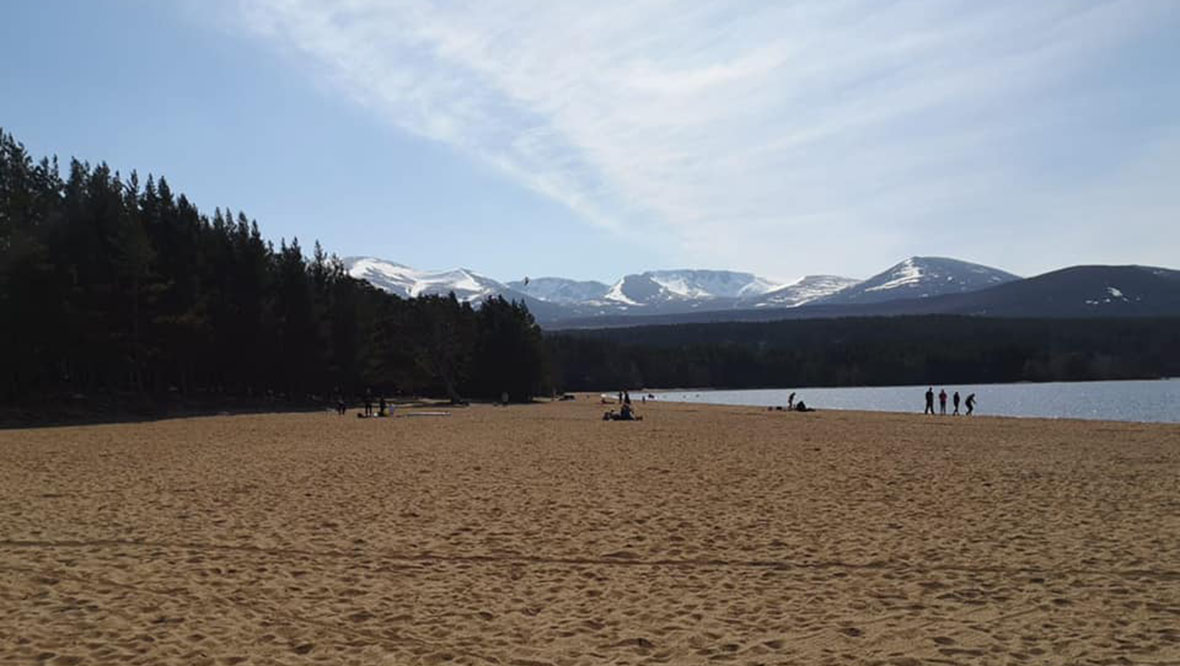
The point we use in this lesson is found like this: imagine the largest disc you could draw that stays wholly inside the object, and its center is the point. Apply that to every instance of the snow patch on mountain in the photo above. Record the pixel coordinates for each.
(617, 295)
(906, 273)
(411, 283)
(804, 290)
(710, 284)
(678, 286)
(686, 288)
(562, 290)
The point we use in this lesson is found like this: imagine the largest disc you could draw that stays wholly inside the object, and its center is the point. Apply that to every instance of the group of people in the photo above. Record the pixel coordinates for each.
(367, 401)
(626, 411)
(969, 403)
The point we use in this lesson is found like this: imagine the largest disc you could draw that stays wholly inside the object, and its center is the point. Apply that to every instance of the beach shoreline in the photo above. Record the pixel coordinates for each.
(542, 534)
(1130, 401)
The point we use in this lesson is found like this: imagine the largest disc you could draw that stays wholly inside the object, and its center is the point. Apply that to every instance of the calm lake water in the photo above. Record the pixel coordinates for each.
(1157, 400)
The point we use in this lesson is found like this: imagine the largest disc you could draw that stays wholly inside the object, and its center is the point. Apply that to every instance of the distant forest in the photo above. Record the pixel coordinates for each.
(115, 290)
(117, 286)
(867, 351)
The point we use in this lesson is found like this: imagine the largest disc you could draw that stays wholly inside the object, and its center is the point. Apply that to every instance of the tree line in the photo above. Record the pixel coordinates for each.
(866, 351)
(113, 285)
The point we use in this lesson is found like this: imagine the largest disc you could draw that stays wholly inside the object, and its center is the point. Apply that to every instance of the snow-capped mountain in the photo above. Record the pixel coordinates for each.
(410, 282)
(804, 290)
(686, 287)
(651, 292)
(710, 284)
(468, 286)
(688, 293)
(561, 290)
(921, 277)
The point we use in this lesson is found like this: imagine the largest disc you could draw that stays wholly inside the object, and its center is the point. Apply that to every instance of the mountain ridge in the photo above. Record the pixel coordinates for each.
(916, 285)
(1075, 292)
(655, 291)
(922, 277)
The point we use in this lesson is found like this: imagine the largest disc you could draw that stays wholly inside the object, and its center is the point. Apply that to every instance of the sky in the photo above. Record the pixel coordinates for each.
(590, 140)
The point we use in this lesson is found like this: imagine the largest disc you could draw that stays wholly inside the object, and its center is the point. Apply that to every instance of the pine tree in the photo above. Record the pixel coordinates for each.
(509, 351)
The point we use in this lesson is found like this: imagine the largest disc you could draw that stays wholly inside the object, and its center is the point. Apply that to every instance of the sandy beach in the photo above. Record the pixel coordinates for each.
(540, 534)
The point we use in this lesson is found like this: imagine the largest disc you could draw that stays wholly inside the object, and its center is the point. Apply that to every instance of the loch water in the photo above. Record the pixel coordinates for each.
(1140, 400)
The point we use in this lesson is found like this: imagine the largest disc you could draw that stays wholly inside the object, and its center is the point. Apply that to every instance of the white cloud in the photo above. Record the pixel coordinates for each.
(780, 137)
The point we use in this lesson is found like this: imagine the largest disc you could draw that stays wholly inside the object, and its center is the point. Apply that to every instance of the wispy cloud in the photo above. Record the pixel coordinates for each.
(750, 134)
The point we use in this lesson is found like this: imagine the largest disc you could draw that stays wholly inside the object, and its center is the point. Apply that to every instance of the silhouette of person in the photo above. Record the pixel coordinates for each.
(942, 401)
(955, 401)
(929, 401)
(791, 400)
(626, 397)
(381, 406)
(368, 402)
(970, 404)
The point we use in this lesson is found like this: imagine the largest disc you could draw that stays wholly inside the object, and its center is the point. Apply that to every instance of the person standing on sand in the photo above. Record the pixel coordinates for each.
(929, 401)
(791, 401)
(942, 401)
(955, 401)
(970, 404)
(368, 402)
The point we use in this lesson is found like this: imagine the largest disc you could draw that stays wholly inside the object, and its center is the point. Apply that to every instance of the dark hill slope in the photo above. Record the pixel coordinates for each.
(1080, 291)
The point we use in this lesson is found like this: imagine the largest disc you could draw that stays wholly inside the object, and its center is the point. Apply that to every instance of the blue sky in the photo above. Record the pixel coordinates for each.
(588, 140)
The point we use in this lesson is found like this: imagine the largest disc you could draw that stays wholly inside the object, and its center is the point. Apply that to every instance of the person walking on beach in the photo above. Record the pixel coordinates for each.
(955, 401)
(929, 401)
(791, 401)
(970, 404)
(942, 401)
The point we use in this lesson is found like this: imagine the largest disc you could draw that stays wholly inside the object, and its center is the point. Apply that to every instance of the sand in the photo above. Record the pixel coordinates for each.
(543, 535)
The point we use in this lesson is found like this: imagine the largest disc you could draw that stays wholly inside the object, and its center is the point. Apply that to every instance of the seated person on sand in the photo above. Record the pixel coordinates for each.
(802, 407)
(625, 414)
